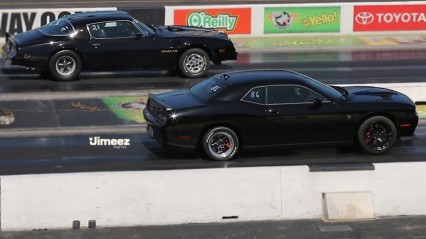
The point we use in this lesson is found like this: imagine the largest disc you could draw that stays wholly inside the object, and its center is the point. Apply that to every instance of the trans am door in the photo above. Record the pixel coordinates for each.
(297, 115)
(120, 44)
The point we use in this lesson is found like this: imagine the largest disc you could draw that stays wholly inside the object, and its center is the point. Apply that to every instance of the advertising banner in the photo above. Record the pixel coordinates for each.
(21, 20)
(301, 19)
(389, 18)
(229, 20)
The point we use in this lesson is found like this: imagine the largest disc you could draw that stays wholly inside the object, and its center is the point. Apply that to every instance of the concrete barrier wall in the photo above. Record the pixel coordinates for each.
(204, 195)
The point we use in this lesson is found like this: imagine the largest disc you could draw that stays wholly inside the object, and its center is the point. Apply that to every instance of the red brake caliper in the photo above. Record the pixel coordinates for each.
(368, 135)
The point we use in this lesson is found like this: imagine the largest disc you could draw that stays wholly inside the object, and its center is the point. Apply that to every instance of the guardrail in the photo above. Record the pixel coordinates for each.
(210, 195)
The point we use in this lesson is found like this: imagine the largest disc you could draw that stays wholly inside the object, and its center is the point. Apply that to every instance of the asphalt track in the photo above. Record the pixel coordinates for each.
(55, 120)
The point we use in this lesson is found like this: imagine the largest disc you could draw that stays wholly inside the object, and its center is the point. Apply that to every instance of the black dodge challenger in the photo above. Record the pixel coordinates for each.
(115, 40)
(277, 107)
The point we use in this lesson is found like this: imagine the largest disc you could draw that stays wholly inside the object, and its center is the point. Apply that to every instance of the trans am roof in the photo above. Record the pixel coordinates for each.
(97, 16)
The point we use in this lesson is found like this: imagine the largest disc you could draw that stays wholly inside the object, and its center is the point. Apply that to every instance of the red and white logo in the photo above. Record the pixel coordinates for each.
(364, 18)
(389, 18)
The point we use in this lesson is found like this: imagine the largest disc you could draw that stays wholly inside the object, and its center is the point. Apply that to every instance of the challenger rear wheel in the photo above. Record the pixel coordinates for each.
(65, 65)
(220, 143)
(194, 63)
(377, 135)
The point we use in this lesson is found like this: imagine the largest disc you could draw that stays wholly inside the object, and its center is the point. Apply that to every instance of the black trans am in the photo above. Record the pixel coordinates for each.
(276, 107)
(115, 40)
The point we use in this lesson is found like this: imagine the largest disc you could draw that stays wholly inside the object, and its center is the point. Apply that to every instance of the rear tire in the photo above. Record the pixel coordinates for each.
(194, 63)
(65, 65)
(220, 143)
(377, 135)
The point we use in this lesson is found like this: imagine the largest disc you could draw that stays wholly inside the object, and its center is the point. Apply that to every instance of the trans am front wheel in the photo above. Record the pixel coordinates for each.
(65, 65)
(194, 63)
(220, 143)
(377, 135)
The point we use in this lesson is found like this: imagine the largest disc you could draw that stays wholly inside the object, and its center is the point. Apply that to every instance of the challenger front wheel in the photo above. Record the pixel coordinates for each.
(377, 135)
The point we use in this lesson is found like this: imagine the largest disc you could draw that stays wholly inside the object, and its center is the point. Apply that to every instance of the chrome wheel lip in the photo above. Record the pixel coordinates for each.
(194, 63)
(65, 65)
(378, 136)
(217, 145)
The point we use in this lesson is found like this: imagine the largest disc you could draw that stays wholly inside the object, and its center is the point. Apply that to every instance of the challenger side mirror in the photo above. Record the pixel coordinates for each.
(139, 36)
(316, 103)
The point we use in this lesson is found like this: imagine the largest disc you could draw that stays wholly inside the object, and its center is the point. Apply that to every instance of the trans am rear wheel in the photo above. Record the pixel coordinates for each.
(377, 135)
(220, 143)
(194, 63)
(65, 65)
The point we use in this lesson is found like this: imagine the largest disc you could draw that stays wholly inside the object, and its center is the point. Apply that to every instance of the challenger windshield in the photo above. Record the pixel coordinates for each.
(209, 88)
(60, 27)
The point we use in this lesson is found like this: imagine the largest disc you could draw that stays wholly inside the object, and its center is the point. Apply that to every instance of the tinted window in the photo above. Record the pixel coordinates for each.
(209, 88)
(290, 94)
(113, 29)
(333, 93)
(147, 30)
(60, 27)
(256, 95)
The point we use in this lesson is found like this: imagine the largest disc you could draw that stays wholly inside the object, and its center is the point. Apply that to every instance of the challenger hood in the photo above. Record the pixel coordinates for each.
(368, 93)
(186, 31)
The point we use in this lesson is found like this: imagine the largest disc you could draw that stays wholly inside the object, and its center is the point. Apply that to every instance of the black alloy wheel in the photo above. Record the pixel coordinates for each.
(377, 135)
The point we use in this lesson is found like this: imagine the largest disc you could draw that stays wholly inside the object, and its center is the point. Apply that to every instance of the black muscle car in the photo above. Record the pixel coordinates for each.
(277, 107)
(115, 40)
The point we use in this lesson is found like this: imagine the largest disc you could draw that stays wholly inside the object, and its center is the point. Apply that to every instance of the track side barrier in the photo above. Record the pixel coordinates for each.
(208, 195)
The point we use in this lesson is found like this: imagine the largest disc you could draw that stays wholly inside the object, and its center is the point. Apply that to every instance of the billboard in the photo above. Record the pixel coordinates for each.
(229, 20)
(301, 19)
(389, 18)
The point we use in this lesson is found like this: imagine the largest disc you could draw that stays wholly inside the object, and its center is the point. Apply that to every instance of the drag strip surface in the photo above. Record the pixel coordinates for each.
(73, 152)
(61, 154)
(334, 67)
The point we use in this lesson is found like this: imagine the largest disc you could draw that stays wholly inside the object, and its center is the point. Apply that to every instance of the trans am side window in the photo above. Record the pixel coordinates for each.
(113, 29)
(291, 94)
(255, 95)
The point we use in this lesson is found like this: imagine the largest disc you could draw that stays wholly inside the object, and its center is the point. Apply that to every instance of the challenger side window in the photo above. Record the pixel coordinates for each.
(255, 95)
(288, 94)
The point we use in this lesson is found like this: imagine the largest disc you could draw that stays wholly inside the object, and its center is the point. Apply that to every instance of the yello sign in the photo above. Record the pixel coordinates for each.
(390, 18)
(229, 20)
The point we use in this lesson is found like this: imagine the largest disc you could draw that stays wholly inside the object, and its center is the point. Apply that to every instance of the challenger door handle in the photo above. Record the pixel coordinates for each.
(273, 111)
(96, 45)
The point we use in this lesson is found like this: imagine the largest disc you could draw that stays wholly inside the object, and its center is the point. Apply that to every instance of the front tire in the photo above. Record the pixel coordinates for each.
(65, 65)
(220, 143)
(194, 63)
(377, 135)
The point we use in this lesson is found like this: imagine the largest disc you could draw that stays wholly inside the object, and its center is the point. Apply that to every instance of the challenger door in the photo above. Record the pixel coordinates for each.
(297, 114)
